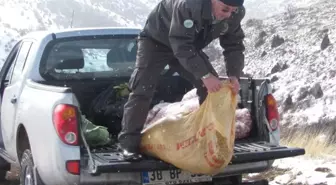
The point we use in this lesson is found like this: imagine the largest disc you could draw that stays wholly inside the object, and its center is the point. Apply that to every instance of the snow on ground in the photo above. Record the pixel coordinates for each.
(266, 8)
(300, 171)
(307, 171)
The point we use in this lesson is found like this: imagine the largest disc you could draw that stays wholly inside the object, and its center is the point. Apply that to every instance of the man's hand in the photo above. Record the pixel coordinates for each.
(235, 84)
(212, 83)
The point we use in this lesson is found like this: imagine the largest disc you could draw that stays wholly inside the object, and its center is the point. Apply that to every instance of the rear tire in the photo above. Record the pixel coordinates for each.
(4, 168)
(27, 172)
(236, 180)
(3, 174)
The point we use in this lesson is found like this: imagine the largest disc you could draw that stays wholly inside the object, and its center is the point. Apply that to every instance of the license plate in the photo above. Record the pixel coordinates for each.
(172, 177)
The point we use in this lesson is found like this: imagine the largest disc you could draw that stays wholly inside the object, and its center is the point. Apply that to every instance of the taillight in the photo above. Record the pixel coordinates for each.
(66, 123)
(272, 112)
(73, 167)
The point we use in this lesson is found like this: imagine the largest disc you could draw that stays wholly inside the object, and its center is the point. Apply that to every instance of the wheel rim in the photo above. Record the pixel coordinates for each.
(29, 177)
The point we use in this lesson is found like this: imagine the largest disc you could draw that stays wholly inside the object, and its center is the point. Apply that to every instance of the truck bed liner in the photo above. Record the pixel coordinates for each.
(107, 160)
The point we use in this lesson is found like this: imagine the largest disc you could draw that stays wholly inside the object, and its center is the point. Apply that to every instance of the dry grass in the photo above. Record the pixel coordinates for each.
(317, 141)
(315, 146)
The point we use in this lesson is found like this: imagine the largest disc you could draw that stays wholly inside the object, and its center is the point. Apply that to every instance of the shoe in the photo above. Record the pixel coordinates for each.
(129, 156)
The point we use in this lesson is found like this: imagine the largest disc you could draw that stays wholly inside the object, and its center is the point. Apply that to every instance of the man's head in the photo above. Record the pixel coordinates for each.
(223, 9)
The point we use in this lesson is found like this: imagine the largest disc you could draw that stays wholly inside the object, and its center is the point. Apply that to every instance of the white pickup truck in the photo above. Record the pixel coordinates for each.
(50, 79)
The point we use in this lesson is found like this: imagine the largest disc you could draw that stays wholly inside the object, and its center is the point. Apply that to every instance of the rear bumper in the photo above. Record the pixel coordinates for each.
(135, 177)
(238, 169)
(51, 165)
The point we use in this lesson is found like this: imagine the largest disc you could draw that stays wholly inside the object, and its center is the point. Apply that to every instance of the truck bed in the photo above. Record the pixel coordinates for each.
(107, 160)
(253, 149)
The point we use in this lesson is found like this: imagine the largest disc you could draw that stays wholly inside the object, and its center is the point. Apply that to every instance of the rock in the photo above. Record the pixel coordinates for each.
(325, 42)
(332, 73)
(278, 67)
(331, 175)
(263, 54)
(304, 104)
(284, 66)
(303, 93)
(274, 78)
(290, 11)
(283, 179)
(273, 29)
(254, 22)
(262, 34)
(259, 42)
(323, 169)
(316, 91)
(277, 41)
(326, 30)
(288, 103)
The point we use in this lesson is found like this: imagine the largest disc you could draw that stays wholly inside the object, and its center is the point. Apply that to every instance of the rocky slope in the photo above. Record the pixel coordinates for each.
(295, 49)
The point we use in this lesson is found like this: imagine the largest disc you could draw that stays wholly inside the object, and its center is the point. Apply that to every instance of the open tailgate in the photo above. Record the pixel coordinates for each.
(107, 160)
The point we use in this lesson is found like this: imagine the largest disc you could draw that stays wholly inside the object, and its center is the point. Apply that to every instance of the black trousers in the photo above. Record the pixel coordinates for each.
(152, 58)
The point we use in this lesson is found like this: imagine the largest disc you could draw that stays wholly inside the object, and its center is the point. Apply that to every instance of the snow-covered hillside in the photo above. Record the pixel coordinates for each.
(18, 17)
(287, 49)
(266, 8)
(303, 73)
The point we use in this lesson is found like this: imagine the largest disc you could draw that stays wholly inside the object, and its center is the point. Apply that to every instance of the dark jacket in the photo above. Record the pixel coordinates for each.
(170, 23)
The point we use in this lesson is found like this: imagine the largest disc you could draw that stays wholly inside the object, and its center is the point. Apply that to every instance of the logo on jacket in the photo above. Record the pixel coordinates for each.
(225, 28)
(188, 23)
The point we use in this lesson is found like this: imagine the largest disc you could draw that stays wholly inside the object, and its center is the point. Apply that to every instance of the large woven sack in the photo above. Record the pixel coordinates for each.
(199, 141)
(190, 103)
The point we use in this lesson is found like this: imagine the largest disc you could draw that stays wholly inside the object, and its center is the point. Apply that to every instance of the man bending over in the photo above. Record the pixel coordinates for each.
(175, 33)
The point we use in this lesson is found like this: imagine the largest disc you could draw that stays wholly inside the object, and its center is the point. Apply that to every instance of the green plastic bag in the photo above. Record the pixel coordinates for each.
(95, 135)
